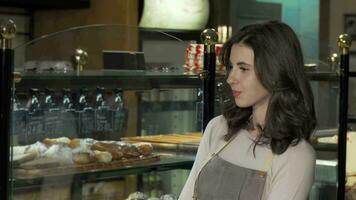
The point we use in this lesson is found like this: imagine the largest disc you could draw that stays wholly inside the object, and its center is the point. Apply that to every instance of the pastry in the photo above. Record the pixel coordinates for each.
(144, 148)
(60, 152)
(89, 141)
(40, 163)
(22, 158)
(18, 150)
(38, 148)
(81, 158)
(102, 146)
(112, 148)
(80, 145)
(137, 196)
(102, 156)
(130, 151)
(51, 141)
(74, 143)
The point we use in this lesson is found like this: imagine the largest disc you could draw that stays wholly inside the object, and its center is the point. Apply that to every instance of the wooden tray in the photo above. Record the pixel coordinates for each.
(190, 138)
(74, 169)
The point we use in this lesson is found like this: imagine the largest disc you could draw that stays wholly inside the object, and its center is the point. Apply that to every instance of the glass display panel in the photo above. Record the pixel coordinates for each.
(87, 99)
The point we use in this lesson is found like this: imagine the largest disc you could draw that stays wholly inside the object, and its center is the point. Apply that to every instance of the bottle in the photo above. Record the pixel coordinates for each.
(52, 122)
(15, 102)
(199, 110)
(66, 100)
(49, 102)
(99, 99)
(86, 115)
(120, 113)
(33, 104)
(19, 121)
(219, 98)
(34, 118)
(82, 103)
(118, 100)
(103, 117)
(69, 117)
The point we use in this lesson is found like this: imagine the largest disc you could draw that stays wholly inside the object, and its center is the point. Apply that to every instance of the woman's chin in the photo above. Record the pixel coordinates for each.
(241, 103)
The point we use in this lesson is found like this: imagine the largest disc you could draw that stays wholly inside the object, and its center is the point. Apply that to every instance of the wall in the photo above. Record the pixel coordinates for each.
(303, 17)
(100, 12)
(122, 12)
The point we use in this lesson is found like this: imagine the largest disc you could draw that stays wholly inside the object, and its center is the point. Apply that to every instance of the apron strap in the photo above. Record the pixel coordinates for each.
(267, 164)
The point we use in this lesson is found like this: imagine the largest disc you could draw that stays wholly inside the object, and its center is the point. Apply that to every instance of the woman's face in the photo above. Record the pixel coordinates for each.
(246, 88)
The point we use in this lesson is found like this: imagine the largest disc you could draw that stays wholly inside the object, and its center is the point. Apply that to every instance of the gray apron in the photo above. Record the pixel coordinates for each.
(222, 180)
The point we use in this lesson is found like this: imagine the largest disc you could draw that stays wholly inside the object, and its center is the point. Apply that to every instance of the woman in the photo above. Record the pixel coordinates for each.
(258, 148)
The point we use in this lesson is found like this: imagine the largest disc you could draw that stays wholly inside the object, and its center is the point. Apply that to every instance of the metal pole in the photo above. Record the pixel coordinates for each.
(6, 64)
(344, 43)
(209, 38)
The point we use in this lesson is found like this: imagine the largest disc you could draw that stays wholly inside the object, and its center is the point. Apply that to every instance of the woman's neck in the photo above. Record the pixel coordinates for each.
(259, 114)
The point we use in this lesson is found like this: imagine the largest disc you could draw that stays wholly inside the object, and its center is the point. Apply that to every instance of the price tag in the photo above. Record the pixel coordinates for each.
(103, 121)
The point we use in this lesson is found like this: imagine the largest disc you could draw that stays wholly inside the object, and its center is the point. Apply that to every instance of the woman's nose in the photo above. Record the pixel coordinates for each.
(232, 77)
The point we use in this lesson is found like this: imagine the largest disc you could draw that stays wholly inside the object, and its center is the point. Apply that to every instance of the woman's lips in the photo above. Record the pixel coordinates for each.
(236, 93)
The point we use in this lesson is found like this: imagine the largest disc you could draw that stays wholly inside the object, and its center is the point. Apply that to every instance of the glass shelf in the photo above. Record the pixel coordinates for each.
(131, 79)
(126, 79)
(166, 162)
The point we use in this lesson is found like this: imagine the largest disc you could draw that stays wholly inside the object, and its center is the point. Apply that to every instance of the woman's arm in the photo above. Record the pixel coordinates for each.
(292, 173)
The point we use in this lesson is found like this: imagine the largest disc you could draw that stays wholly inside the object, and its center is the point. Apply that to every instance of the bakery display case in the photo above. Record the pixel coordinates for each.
(84, 102)
(106, 112)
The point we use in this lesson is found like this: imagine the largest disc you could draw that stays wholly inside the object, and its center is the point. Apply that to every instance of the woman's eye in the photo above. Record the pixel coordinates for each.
(243, 68)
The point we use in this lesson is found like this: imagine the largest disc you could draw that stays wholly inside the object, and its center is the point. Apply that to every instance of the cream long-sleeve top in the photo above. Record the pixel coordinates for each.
(289, 175)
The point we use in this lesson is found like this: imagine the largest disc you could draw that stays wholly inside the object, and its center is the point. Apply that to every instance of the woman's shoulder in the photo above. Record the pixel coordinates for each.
(303, 148)
(217, 125)
(215, 130)
(302, 152)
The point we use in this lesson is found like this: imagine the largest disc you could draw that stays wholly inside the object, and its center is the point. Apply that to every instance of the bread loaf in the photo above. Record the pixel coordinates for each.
(74, 143)
(144, 148)
(22, 158)
(102, 156)
(112, 148)
(40, 163)
(81, 158)
(51, 141)
(19, 150)
(130, 151)
(38, 148)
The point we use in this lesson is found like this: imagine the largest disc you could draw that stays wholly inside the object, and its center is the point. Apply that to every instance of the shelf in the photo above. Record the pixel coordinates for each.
(129, 79)
(322, 76)
(167, 162)
(351, 119)
(125, 79)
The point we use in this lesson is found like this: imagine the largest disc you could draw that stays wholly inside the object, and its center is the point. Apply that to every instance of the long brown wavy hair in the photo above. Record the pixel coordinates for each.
(279, 66)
